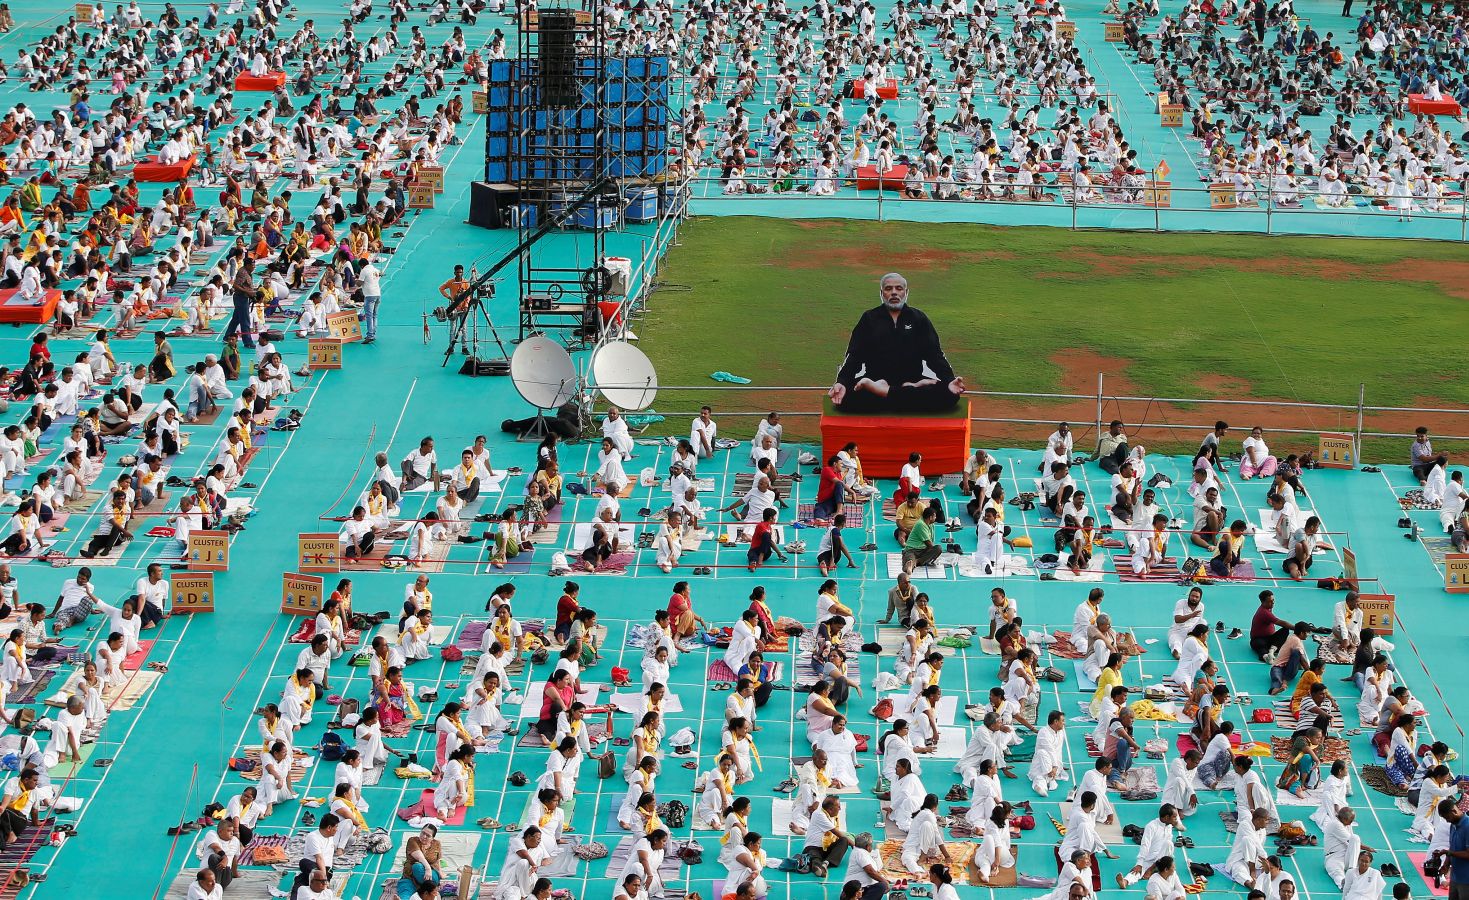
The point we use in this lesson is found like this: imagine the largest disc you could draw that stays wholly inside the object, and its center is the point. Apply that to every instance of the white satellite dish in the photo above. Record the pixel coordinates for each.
(625, 376)
(543, 373)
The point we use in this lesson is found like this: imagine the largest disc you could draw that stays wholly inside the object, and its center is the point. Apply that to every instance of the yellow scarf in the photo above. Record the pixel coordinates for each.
(376, 505)
(573, 728)
(463, 734)
(822, 780)
(742, 820)
(933, 676)
(468, 472)
(501, 634)
(352, 811)
(1159, 542)
(545, 819)
(21, 801)
(307, 695)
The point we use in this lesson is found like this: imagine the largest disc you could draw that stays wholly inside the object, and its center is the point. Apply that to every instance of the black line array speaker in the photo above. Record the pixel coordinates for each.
(557, 51)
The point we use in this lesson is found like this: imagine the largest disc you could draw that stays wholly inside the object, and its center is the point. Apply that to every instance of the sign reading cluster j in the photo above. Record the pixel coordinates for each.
(300, 594)
(208, 551)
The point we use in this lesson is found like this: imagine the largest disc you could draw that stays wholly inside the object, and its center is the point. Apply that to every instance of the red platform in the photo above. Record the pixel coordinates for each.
(267, 82)
(888, 90)
(891, 180)
(14, 311)
(886, 440)
(152, 170)
(1416, 104)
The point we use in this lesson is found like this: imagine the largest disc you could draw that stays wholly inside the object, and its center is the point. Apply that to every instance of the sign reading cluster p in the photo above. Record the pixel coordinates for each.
(324, 353)
(300, 594)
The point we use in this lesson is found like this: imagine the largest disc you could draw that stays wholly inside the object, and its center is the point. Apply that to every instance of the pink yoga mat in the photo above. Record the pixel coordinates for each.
(425, 806)
(135, 661)
(1418, 859)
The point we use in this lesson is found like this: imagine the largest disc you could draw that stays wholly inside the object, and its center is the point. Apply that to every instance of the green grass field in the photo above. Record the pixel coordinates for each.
(1036, 309)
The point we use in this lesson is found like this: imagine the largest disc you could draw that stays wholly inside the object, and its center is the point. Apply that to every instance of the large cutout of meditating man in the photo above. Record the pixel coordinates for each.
(894, 362)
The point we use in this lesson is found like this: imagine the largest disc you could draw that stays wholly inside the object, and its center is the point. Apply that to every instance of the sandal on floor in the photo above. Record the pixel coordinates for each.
(489, 823)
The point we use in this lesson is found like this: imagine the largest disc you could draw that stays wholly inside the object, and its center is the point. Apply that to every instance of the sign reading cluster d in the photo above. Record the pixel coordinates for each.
(208, 551)
(318, 552)
(193, 593)
(300, 594)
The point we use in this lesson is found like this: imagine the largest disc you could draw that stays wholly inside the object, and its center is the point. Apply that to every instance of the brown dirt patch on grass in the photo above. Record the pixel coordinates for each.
(1079, 370)
(878, 259)
(1451, 277)
(1107, 265)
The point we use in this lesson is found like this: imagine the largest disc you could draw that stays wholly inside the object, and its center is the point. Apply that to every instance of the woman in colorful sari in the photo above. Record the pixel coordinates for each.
(449, 734)
(391, 698)
(1401, 760)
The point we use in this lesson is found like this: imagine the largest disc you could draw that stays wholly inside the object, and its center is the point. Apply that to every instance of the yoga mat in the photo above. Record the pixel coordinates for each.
(1418, 859)
(535, 694)
(457, 849)
(68, 768)
(632, 703)
(623, 852)
(32, 689)
(250, 883)
(1083, 683)
(471, 636)
(781, 811)
(437, 633)
(426, 804)
(951, 744)
(568, 807)
(944, 713)
(126, 695)
(1111, 834)
(136, 659)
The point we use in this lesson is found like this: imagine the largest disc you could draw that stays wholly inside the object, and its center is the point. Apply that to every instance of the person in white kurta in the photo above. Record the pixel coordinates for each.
(1247, 855)
(1340, 844)
(1048, 765)
(1163, 884)
(743, 641)
(1363, 881)
(1179, 790)
(453, 787)
(1156, 843)
(717, 794)
(124, 621)
(994, 852)
(614, 429)
(1191, 657)
(924, 838)
(907, 796)
(841, 751)
(989, 551)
